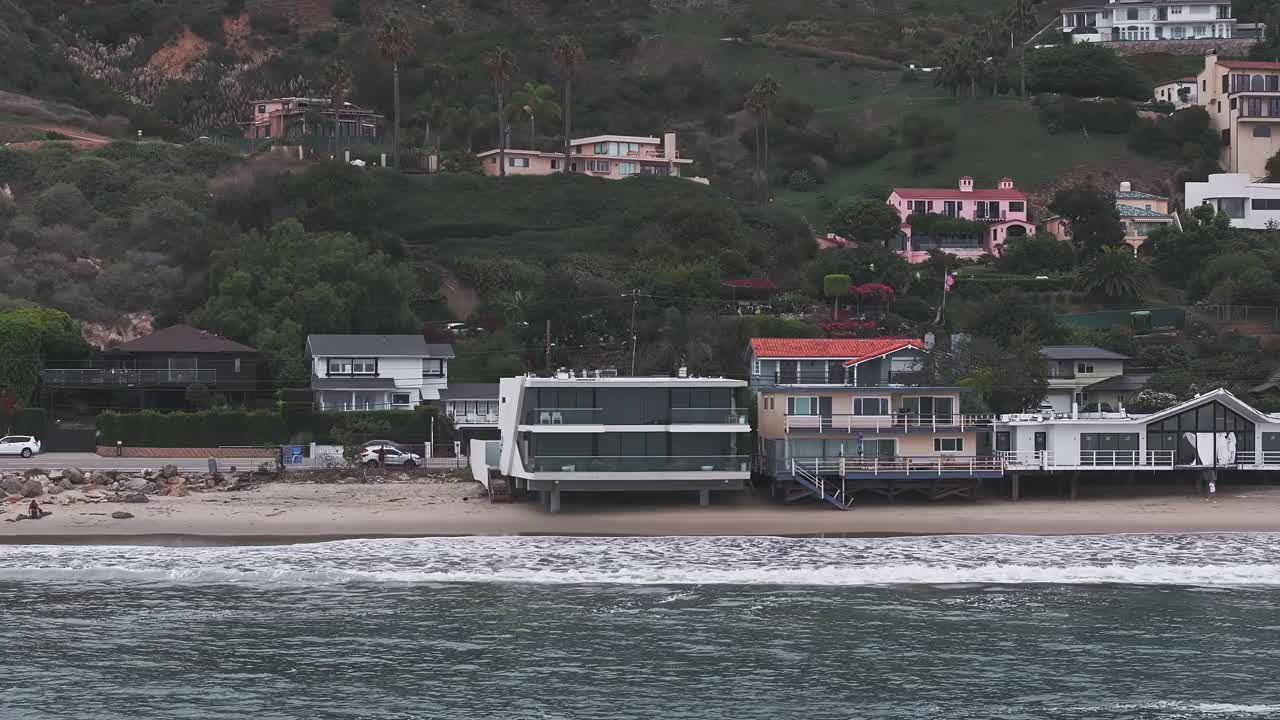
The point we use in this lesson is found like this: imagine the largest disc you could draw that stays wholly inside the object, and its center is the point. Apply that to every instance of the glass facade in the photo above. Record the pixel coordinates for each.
(1199, 436)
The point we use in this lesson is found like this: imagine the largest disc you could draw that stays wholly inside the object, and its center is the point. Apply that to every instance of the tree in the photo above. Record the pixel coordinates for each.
(30, 336)
(532, 100)
(468, 121)
(961, 65)
(1179, 255)
(568, 56)
(760, 101)
(501, 64)
(1273, 168)
(1084, 70)
(865, 221)
(1021, 22)
(395, 42)
(835, 287)
(1035, 255)
(1092, 216)
(337, 82)
(1114, 273)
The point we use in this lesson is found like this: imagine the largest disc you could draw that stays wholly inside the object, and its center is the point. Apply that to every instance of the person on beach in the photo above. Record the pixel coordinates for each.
(34, 511)
(1213, 491)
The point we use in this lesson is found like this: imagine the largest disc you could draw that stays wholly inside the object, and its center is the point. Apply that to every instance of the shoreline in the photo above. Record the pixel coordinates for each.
(303, 513)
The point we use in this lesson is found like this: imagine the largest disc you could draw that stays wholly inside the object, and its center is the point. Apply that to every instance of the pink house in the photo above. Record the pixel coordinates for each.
(1002, 212)
(607, 156)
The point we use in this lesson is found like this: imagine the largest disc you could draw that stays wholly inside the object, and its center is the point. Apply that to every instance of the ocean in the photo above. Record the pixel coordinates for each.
(540, 628)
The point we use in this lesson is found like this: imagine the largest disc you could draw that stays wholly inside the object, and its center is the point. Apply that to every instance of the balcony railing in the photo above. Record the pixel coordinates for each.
(1045, 459)
(596, 416)
(1256, 457)
(899, 465)
(836, 377)
(640, 463)
(876, 423)
(108, 377)
(1060, 374)
(475, 419)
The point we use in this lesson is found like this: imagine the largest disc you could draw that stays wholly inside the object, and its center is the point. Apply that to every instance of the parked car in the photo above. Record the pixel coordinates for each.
(23, 445)
(389, 456)
(383, 443)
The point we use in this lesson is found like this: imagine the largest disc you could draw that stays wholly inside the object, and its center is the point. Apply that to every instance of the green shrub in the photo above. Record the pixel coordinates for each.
(210, 428)
(26, 421)
(1062, 113)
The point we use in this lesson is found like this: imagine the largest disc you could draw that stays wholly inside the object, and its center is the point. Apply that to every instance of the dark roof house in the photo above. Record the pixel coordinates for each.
(1079, 352)
(181, 339)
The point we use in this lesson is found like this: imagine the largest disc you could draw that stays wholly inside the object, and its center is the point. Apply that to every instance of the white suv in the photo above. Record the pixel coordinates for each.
(389, 456)
(23, 445)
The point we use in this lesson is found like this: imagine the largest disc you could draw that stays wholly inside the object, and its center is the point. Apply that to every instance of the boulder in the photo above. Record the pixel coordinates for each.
(64, 484)
(137, 484)
(12, 485)
(32, 472)
(13, 498)
(177, 491)
(74, 475)
(121, 515)
(55, 475)
(32, 488)
(169, 471)
(53, 489)
(136, 498)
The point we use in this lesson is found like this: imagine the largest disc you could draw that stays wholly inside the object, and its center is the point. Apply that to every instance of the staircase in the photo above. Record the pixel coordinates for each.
(815, 485)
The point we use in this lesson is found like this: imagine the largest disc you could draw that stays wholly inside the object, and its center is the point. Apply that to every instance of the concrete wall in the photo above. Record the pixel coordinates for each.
(1226, 46)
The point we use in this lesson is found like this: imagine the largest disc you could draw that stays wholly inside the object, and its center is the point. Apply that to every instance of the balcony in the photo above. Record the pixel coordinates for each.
(596, 416)
(126, 378)
(923, 465)
(1054, 374)
(837, 377)
(886, 423)
(461, 420)
(1046, 460)
(640, 463)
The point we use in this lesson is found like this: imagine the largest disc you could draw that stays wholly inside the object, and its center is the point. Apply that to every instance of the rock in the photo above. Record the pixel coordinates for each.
(55, 475)
(177, 491)
(32, 488)
(121, 515)
(14, 498)
(12, 485)
(169, 471)
(53, 489)
(64, 484)
(74, 476)
(137, 485)
(33, 472)
(136, 498)
(177, 480)
(349, 480)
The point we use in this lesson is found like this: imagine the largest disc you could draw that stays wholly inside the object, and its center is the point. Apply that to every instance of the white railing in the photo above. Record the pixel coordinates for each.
(876, 423)
(475, 419)
(1254, 457)
(1045, 459)
(921, 465)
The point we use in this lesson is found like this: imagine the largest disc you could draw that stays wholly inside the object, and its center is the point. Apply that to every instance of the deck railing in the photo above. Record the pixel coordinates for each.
(899, 465)
(876, 423)
(640, 463)
(1046, 460)
(676, 416)
(100, 376)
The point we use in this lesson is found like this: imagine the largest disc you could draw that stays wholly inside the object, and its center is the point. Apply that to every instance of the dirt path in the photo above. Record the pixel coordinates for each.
(462, 300)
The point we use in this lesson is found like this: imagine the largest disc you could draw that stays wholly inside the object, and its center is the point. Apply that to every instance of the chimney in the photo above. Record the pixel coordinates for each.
(1126, 186)
(1006, 184)
(966, 184)
(669, 146)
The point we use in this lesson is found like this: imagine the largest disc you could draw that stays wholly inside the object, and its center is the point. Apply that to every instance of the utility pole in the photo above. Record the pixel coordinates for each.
(635, 300)
(548, 348)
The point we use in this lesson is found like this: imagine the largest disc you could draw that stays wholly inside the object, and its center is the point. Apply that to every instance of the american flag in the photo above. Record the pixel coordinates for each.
(948, 281)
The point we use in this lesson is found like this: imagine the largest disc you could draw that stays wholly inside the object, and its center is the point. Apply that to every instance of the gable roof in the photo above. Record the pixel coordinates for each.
(1137, 195)
(182, 339)
(957, 194)
(830, 348)
(376, 345)
(1079, 352)
(1222, 395)
(1129, 211)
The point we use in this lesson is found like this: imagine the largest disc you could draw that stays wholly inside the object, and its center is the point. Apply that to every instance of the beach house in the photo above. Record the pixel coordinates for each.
(376, 372)
(1250, 205)
(963, 221)
(593, 431)
(473, 407)
(1086, 377)
(282, 117)
(839, 416)
(1242, 98)
(607, 156)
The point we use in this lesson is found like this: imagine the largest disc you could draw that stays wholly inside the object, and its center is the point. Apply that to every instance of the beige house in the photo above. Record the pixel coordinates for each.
(842, 415)
(608, 156)
(1243, 102)
(1140, 214)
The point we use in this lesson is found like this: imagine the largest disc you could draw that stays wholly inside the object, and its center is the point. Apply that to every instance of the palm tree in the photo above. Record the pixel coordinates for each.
(959, 66)
(431, 117)
(501, 64)
(337, 82)
(533, 99)
(993, 40)
(395, 42)
(468, 120)
(760, 100)
(1021, 21)
(568, 55)
(1113, 273)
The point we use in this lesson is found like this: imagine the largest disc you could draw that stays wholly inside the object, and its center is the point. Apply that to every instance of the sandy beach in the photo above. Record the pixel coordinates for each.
(301, 512)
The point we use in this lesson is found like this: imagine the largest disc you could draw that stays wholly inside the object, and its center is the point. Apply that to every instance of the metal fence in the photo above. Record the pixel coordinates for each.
(1242, 314)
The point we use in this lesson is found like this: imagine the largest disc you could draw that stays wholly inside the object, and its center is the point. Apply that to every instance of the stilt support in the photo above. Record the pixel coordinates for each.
(1013, 487)
(554, 501)
(1075, 484)
(704, 498)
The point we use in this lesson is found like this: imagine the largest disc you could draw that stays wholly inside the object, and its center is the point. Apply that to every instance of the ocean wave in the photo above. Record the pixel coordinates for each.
(1176, 560)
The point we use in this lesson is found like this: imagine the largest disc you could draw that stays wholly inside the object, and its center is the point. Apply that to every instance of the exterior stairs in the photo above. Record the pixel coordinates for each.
(814, 485)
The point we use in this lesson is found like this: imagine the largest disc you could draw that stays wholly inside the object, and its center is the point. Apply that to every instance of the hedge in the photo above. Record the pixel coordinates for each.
(27, 421)
(255, 428)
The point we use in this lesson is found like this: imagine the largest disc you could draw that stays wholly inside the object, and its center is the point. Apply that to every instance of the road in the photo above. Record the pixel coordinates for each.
(91, 461)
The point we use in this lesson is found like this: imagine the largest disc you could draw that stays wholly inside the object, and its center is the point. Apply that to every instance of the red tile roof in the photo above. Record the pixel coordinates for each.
(754, 283)
(957, 194)
(829, 348)
(1250, 64)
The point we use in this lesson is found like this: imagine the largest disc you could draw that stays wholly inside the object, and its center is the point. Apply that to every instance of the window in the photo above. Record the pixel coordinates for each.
(1266, 204)
(364, 366)
(555, 164)
(237, 366)
(871, 406)
(1257, 83)
(400, 398)
(338, 366)
(262, 109)
(1084, 368)
(1132, 14)
(1017, 206)
(1233, 103)
(1225, 84)
(628, 168)
(599, 166)
(802, 406)
(493, 160)
(518, 162)
(1233, 207)
(948, 445)
(1175, 10)
(1262, 131)
(1226, 138)
(1255, 107)
(878, 447)
(432, 367)
(918, 207)
(949, 208)
(768, 403)
(1273, 83)
(1002, 441)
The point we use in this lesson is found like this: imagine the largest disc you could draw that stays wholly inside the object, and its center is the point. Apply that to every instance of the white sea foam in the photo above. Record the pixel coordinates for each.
(1175, 560)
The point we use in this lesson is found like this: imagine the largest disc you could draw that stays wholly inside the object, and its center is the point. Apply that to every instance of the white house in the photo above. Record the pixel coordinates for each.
(376, 372)
(1085, 376)
(1148, 20)
(589, 432)
(1182, 93)
(1216, 430)
(1250, 205)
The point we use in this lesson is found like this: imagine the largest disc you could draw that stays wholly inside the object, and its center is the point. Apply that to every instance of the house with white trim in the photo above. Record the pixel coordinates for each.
(1250, 205)
(608, 156)
(1088, 378)
(376, 372)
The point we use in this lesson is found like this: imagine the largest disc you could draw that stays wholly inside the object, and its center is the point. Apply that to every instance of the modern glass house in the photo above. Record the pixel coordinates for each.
(587, 432)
